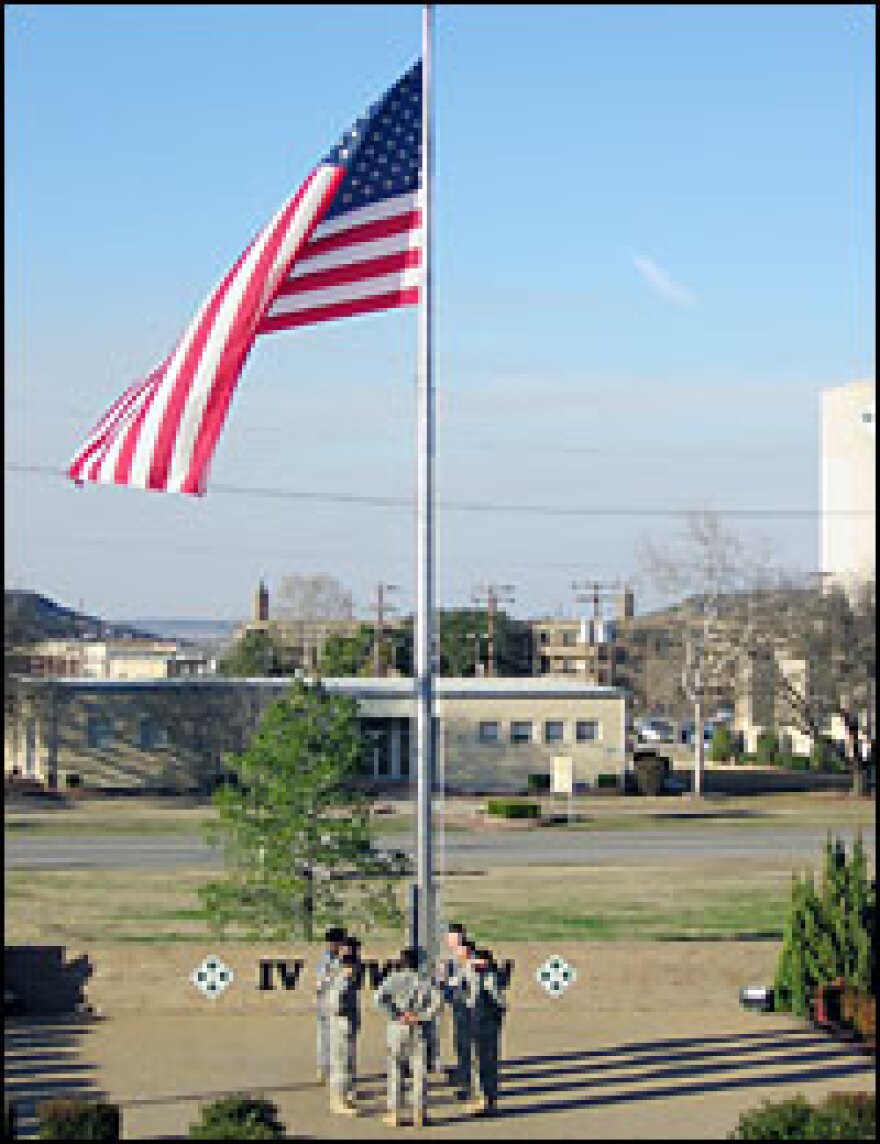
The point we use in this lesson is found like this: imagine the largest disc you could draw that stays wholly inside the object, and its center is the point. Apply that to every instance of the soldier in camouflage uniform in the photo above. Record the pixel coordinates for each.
(486, 1004)
(456, 976)
(409, 1002)
(329, 963)
(344, 1018)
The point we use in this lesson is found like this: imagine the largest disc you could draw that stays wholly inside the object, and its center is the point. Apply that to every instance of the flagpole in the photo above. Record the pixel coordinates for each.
(425, 529)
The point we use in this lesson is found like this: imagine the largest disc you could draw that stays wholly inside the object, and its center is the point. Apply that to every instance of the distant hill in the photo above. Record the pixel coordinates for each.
(202, 633)
(29, 617)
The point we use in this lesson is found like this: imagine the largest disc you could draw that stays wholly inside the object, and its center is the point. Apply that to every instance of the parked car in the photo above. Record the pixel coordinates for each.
(655, 731)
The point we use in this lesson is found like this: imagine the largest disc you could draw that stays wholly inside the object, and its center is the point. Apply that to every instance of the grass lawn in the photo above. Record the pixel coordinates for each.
(148, 816)
(715, 901)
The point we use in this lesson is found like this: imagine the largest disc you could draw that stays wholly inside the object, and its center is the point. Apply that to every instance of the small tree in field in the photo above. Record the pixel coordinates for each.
(295, 830)
(723, 744)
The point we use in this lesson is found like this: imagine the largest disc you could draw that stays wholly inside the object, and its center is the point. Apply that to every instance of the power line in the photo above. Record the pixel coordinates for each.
(397, 502)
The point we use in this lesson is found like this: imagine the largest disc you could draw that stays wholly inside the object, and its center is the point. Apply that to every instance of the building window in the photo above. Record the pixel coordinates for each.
(587, 730)
(554, 731)
(99, 732)
(570, 666)
(544, 637)
(490, 732)
(569, 639)
(151, 735)
(521, 731)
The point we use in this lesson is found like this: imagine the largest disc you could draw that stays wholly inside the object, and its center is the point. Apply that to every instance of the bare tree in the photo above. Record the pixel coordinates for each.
(703, 569)
(813, 645)
(817, 644)
(319, 597)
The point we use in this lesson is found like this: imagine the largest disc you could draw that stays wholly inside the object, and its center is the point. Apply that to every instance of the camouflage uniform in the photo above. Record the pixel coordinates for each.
(344, 1020)
(459, 983)
(327, 968)
(407, 991)
(486, 1006)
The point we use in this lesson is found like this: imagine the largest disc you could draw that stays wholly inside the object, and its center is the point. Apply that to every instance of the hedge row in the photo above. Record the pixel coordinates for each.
(513, 808)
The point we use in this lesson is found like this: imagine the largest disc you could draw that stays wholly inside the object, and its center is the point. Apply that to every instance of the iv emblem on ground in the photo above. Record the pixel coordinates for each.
(556, 975)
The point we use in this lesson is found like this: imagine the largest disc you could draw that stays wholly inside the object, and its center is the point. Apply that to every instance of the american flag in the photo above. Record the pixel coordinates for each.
(347, 242)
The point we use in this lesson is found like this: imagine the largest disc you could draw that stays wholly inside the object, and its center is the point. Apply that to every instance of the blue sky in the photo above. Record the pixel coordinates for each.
(654, 247)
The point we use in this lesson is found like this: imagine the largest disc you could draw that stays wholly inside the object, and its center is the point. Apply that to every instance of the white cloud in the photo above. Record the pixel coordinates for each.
(660, 282)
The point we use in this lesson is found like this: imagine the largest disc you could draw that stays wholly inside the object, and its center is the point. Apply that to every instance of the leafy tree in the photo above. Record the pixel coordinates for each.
(723, 744)
(294, 828)
(349, 655)
(257, 653)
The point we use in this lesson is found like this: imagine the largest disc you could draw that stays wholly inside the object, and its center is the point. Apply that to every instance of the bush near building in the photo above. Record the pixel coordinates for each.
(840, 1116)
(539, 784)
(723, 746)
(238, 1117)
(829, 932)
(511, 808)
(767, 749)
(74, 1118)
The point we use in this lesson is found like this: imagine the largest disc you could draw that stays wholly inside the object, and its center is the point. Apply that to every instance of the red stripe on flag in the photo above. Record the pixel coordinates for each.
(366, 232)
(408, 297)
(244, 331)
(165, 438)
(105, 431)
(122, 472)
(351, 272)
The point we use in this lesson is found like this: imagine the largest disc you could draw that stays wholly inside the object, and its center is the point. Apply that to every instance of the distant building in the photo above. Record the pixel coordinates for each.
(173, 735)
(762, 705)
(110, 659)
(848, 482)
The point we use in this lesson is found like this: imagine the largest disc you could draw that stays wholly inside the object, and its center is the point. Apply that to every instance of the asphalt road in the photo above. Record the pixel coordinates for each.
(796, 846)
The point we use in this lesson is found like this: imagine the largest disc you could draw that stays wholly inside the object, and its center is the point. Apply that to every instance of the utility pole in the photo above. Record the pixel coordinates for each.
(478, 638)
(492, 595)
(594, 592)
(382, 608)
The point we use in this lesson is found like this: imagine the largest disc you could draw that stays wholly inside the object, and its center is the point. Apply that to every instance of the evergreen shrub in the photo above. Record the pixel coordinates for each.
(74, 1118)
(767, 750)
(829, 930)
(723, 746)
(238, 1117)
(840, 1116)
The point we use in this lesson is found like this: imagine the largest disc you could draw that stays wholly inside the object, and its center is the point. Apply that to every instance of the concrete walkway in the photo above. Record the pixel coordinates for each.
(650, 1043)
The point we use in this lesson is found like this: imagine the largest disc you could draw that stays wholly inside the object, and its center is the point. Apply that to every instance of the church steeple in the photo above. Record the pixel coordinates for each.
(261, 604)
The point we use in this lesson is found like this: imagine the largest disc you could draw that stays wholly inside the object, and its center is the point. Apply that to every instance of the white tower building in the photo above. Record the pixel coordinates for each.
(848, 482)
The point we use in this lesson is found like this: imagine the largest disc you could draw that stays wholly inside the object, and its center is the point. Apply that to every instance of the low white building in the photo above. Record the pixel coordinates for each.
(172, 734)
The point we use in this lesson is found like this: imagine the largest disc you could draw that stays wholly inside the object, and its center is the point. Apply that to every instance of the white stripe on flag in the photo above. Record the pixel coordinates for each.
(402, 204)
(356, 252)
(381, 284)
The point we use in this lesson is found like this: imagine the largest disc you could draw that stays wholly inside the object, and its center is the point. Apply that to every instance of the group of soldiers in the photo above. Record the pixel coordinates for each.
(410, 995)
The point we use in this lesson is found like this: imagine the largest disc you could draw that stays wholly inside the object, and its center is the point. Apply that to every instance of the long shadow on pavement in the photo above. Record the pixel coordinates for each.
(41, 1060)
(795, 1058)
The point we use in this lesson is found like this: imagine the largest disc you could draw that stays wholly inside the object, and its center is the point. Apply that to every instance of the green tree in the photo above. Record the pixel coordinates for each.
(296, 831)
(349, 655)
(723, 744)
(255, 654)
(829, 932)
(767, 752)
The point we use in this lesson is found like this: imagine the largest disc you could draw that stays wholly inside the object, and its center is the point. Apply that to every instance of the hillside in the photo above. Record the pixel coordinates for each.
(29, 617)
